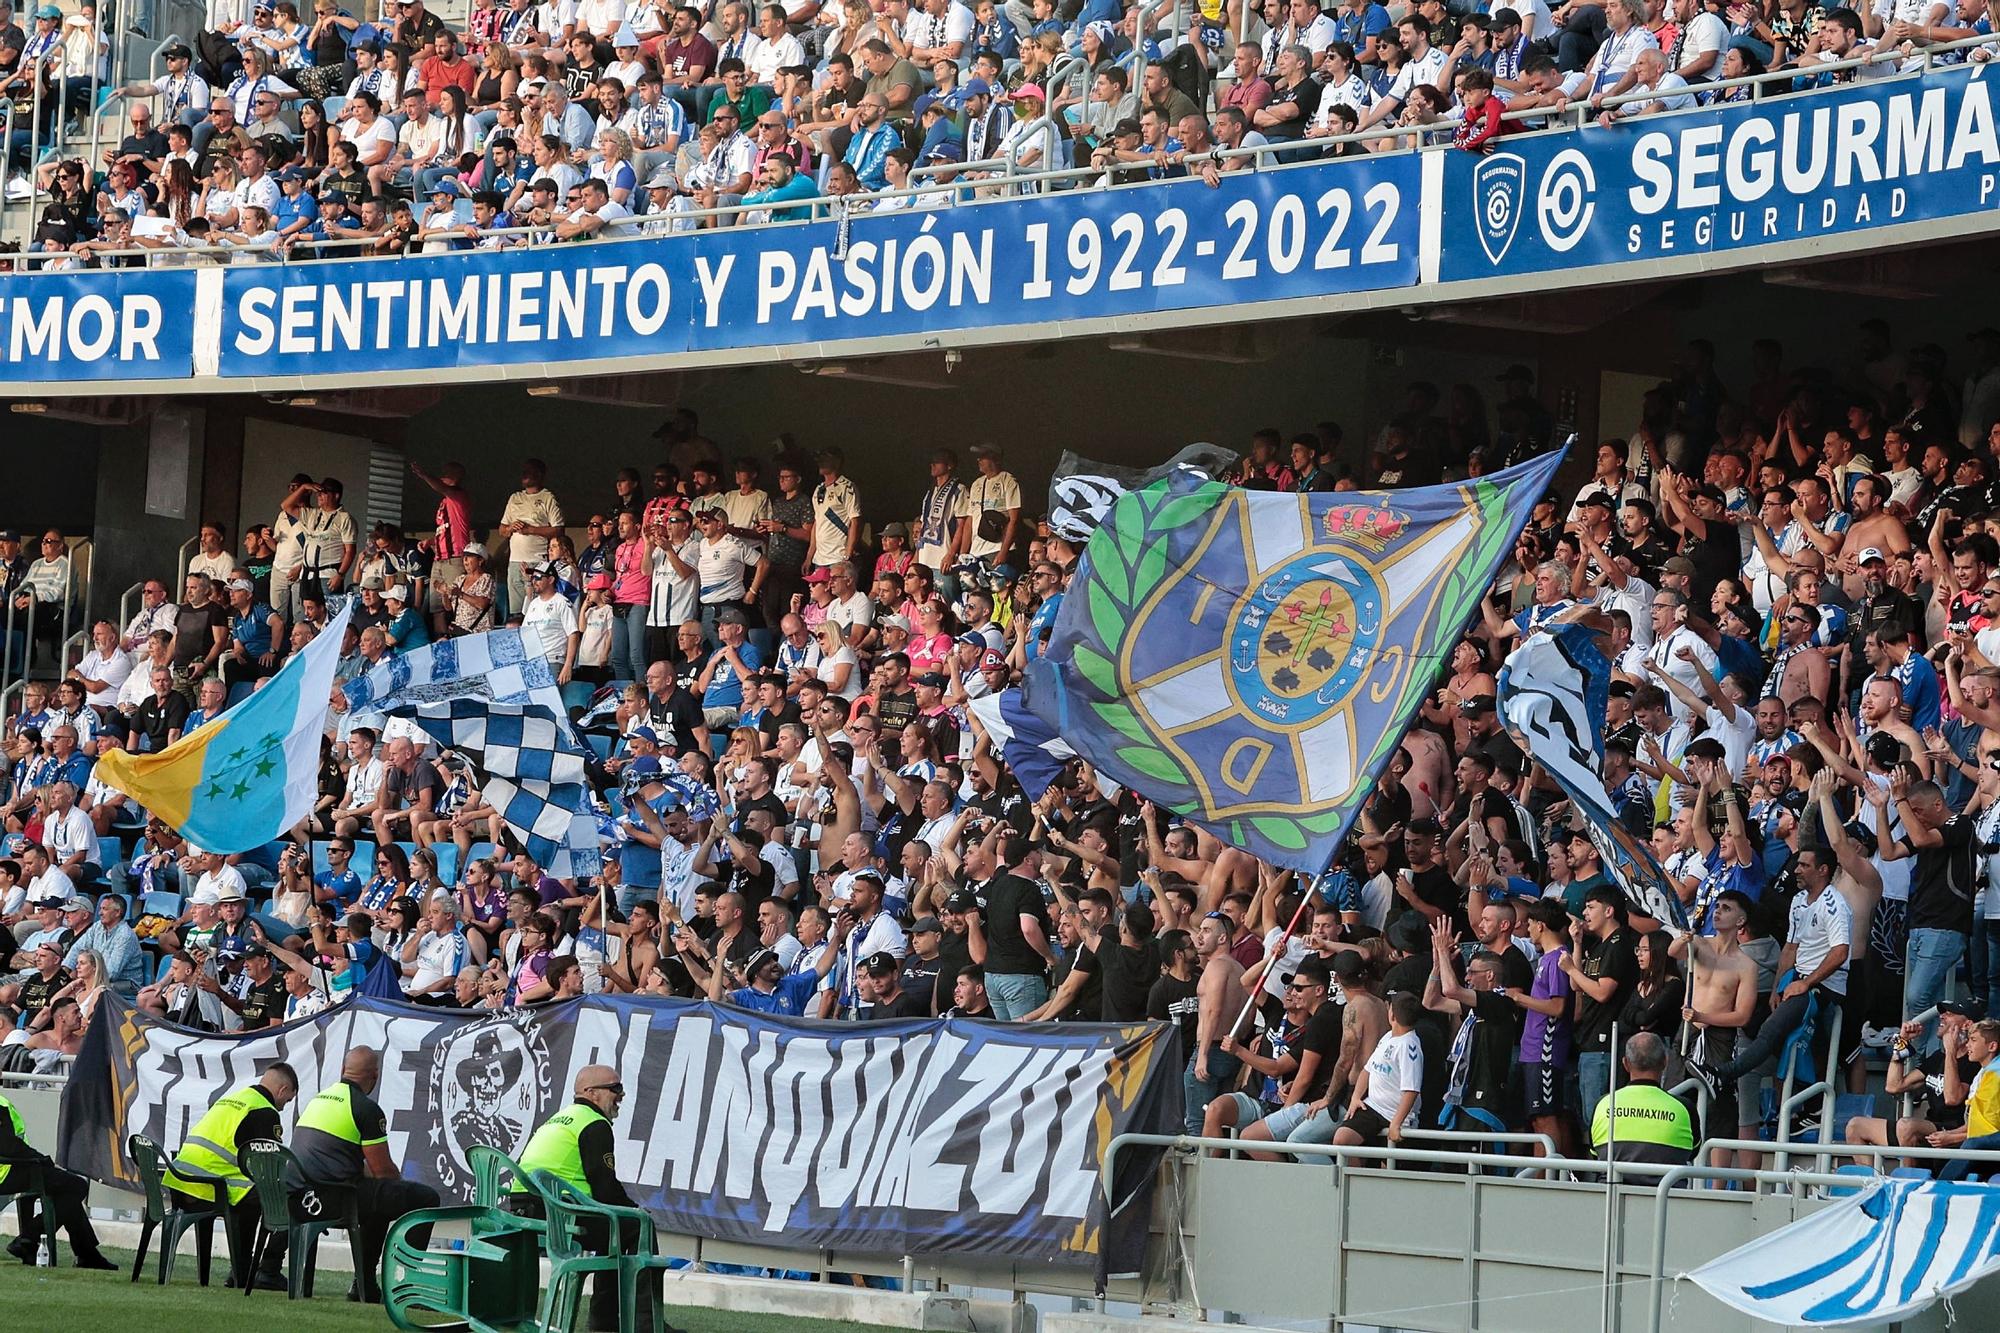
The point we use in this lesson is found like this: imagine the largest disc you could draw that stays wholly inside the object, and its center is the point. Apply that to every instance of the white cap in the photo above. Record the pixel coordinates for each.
(398, 592)
(1872, 553)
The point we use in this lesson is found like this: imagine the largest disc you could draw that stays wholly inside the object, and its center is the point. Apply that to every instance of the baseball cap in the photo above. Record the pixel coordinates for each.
(597, 582)
(925, 925)
(1598, 497)
(1680, 564)
(817, 576)
(284, 174)
(992, 661)
(894, 622)
(542, 570)
(930, 678)
(397, 592)
(1475, 705)
(645, 766)
(1499, 19)
(977, 88)
(76, 904)
(9, 535)
(643, 733)
(880, 964)
(207, 897)
(964, 900)
(896, 530)
(475, 548)
(1124, 127)
(1873, 553)
(730, 615)
(1347, 964)
(1033, 90)
(947, 150)
(242, 585)
(178, 51)
(446, 184)
(1972, 1009)
(663, 179)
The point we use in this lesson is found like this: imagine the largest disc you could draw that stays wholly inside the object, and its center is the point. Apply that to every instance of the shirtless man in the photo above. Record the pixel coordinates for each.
(1723, 997)
(1872, 527)
(1211, 1069)
(1362, 1023)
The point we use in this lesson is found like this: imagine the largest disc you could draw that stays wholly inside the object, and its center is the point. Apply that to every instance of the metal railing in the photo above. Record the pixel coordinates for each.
(998, 174)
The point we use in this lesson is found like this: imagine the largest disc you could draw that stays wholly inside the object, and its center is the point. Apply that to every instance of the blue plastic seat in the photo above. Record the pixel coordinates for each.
(447, 861)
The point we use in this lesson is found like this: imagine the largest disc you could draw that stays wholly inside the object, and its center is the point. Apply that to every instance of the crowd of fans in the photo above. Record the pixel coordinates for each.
(1797, 575)
(287, 134)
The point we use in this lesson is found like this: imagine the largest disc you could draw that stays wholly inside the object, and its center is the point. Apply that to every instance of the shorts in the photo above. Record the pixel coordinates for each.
(1248, 1109)
(1543, 1086)
(1372, 1128)
(1298, 1123)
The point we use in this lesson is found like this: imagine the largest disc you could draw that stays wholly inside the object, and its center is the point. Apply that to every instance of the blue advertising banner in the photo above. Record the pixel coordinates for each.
(903, 1137)
(1725, 178)
(123, 324)
(1346, 226)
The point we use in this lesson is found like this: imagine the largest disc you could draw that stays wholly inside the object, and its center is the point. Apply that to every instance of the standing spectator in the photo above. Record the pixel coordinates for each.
(531, 516)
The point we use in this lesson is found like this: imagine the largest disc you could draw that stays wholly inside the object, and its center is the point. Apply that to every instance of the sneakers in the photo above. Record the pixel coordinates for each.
(1878, 1038)
(1708, 1075)
(19, 188)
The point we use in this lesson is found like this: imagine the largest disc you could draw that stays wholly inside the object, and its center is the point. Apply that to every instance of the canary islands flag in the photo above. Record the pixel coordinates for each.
(1251, 660)
(242, 779)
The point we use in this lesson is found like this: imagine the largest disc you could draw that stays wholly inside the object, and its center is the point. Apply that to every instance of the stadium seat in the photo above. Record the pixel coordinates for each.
(446, 854)
(577, 694)
(572, 1215)
(164, 1213)
(265, 1162)
(484, 1275)
(600, 745)
(1864, 1177)
(24, 1181)
(319, 846)
(479, 849)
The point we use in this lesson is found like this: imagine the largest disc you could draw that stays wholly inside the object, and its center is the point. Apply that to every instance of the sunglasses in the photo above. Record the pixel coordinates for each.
(615, 1089)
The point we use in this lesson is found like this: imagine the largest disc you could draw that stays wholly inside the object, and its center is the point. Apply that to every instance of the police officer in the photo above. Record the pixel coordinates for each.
(342, 1146)
(68, 1196)
(575, 1145)
(1653, 1124)
(209, 1167)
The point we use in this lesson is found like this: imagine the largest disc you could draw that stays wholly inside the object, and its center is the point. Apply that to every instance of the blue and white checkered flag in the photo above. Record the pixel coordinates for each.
(533, 771)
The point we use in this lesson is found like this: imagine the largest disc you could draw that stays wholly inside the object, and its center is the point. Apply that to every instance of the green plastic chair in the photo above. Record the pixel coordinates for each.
(165, 1213)
(24, 1183)
(265, 1163)
(570, 1261)
(490, 1285)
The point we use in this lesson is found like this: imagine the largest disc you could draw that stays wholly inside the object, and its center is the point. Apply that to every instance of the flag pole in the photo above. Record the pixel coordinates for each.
(1250, 1001)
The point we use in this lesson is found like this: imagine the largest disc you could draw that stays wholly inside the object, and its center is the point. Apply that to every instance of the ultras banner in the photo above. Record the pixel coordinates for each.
(931, 1137)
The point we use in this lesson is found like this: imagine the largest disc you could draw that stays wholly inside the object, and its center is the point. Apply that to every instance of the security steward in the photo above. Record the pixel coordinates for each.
(1653, 1125)
(575, 1145)
(69, 1196)
(341, 1142)
(209, 1167)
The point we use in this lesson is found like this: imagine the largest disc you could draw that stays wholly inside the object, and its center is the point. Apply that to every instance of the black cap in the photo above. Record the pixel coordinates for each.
(1347, 964)
(964, 900)
(933, 679)
(1407, 934)
(1475, 705)
(1972, 1009)
(925, 925)
(881, 964)
(1497, 20)
(758, 959)
(177, 51)
(1596, 497)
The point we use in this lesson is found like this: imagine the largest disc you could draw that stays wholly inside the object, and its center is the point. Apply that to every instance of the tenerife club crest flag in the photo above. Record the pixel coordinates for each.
(242, 779)
(1552, 693)
(1251, 660)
